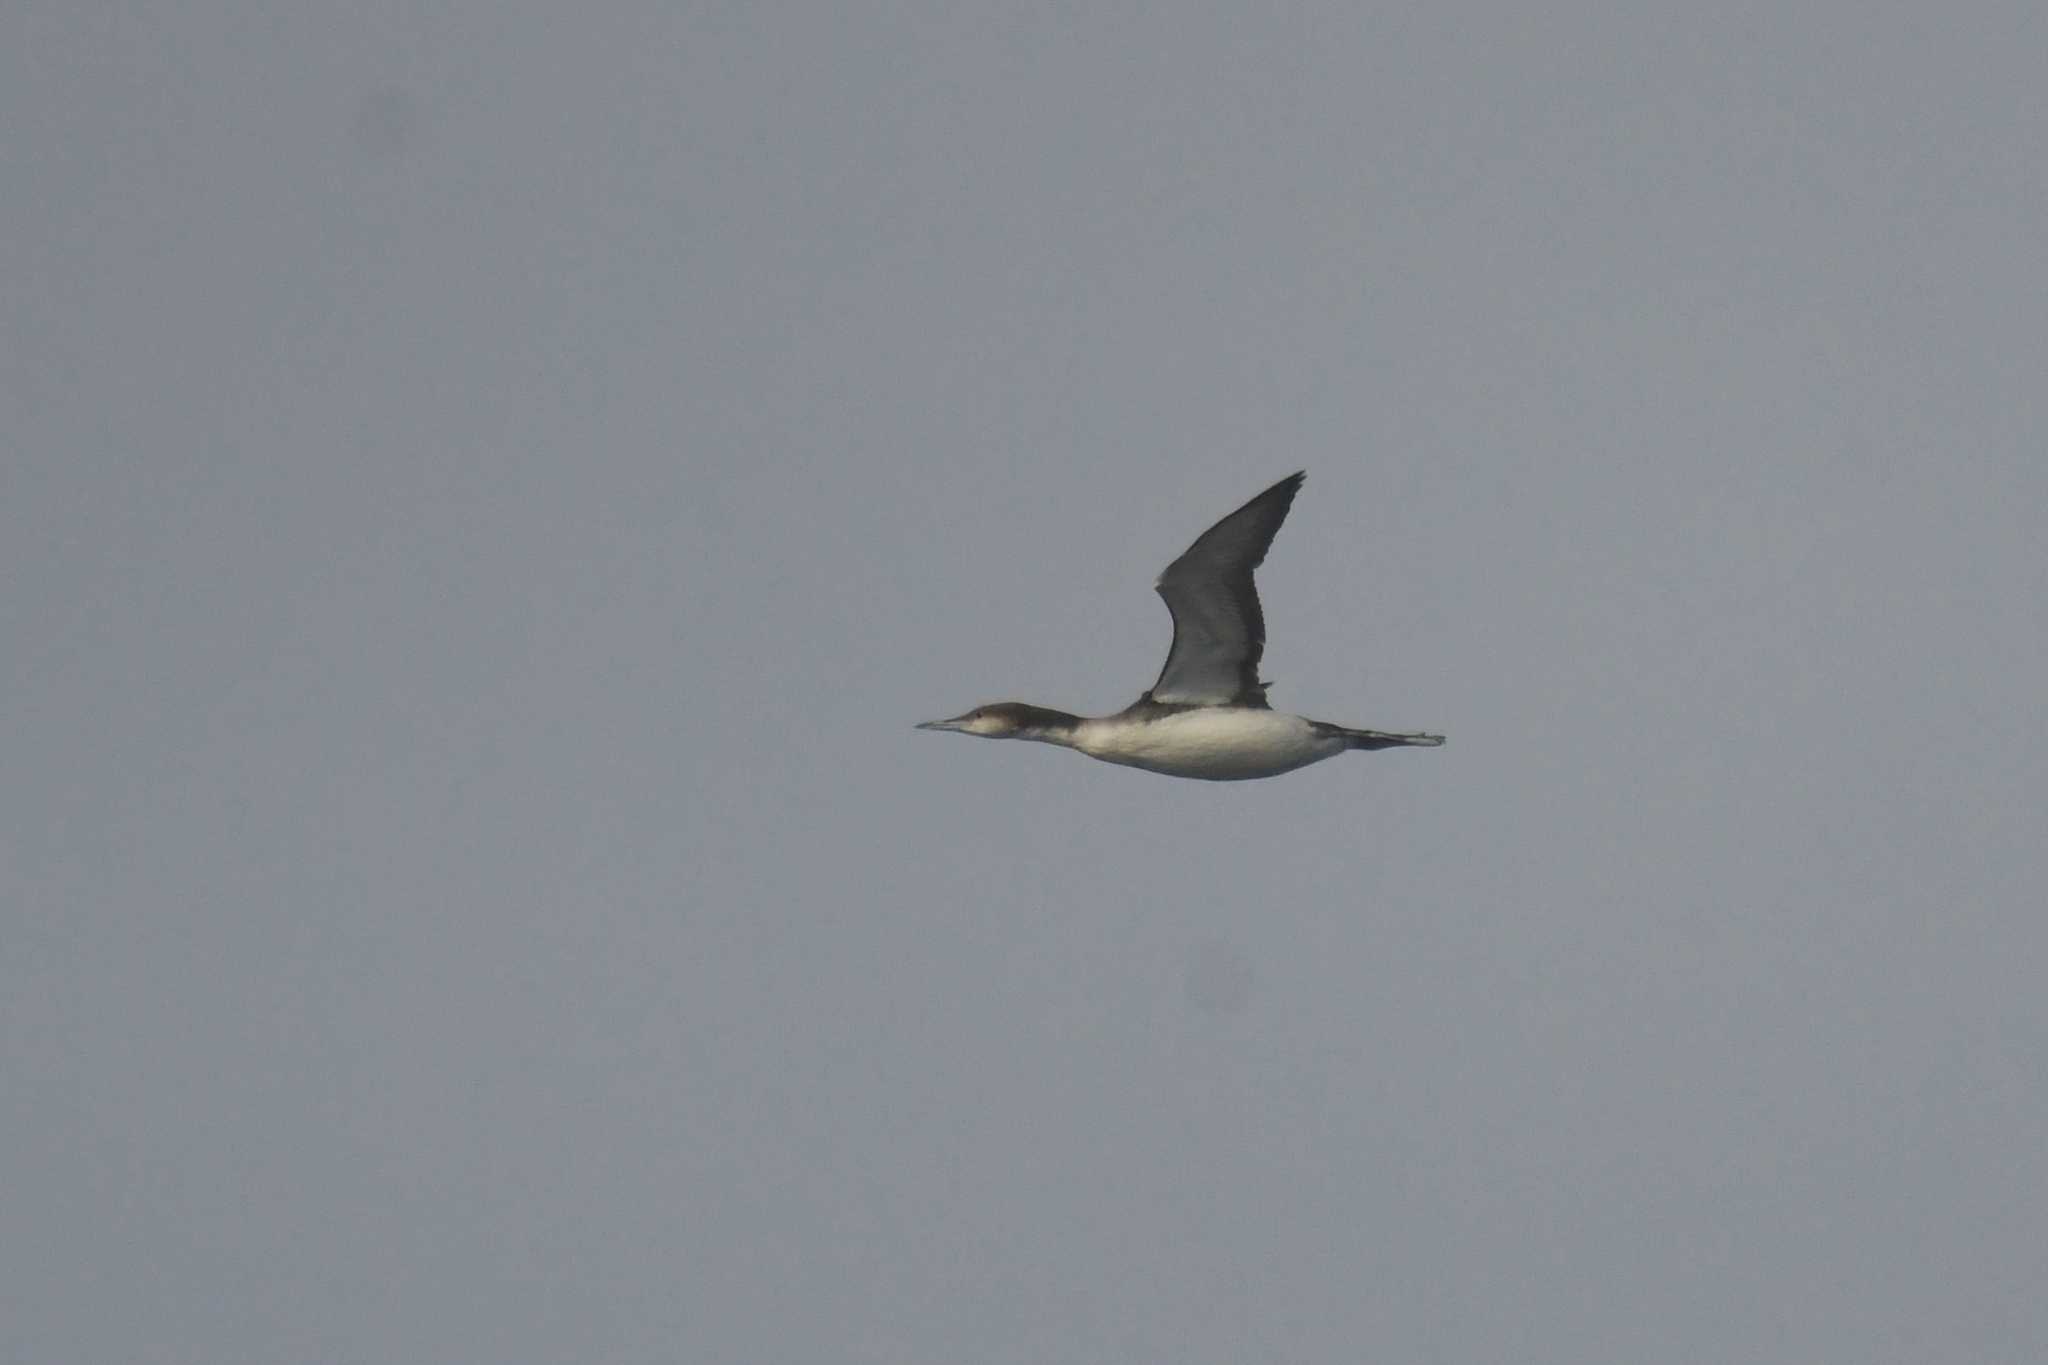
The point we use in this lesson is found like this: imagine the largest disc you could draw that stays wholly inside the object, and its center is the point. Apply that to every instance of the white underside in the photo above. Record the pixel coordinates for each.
(1222, 744)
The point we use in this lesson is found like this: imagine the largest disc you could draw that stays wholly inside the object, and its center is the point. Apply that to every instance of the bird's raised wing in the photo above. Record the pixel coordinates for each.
(1218, 631)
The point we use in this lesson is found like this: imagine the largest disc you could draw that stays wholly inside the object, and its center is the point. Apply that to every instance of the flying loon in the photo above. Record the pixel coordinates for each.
(1206, 716)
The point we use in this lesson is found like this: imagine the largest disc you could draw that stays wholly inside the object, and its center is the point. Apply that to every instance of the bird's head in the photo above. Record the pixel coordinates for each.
(1006, 720)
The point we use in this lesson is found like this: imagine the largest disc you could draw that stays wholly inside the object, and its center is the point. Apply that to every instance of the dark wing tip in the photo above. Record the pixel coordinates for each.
(1280, 496)
(1247, 533)
(1268, 510)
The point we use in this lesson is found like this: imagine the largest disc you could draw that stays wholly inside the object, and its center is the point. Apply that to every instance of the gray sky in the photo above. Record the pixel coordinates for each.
(488, 488)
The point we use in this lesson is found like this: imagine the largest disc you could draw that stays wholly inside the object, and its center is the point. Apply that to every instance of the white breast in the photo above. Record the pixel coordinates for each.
(1222, 744)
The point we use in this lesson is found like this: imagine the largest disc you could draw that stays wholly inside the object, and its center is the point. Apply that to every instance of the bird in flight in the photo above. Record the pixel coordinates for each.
(1206, 716)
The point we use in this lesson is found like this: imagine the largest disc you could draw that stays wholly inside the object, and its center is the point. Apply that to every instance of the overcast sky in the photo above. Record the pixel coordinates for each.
(488, 489)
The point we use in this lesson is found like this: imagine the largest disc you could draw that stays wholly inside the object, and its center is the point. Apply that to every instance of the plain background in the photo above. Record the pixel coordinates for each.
(489, 487)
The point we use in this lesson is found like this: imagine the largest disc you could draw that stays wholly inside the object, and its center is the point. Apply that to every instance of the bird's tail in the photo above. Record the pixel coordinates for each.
(1381, 739)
